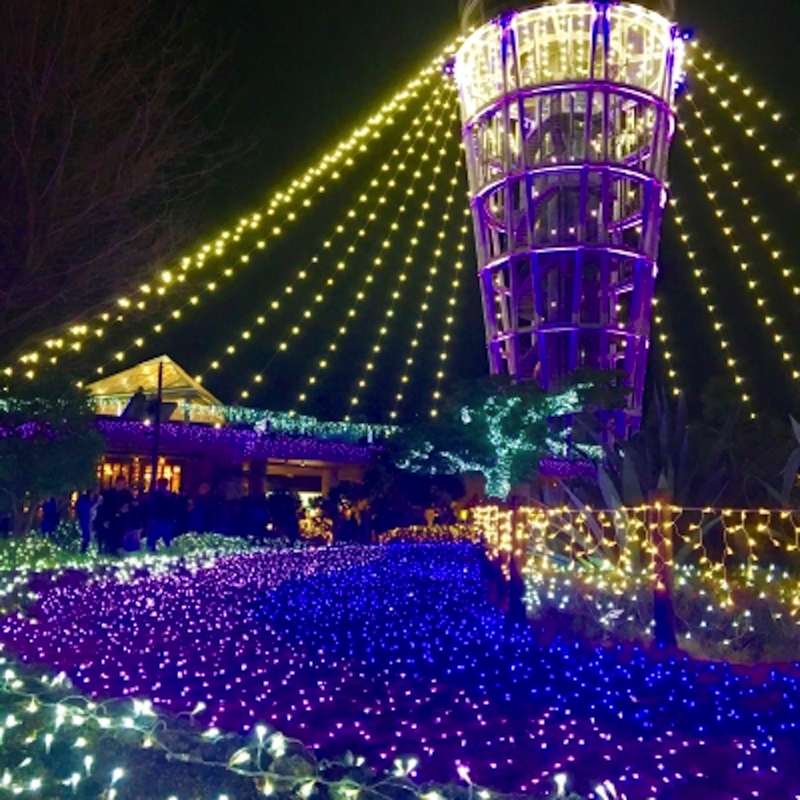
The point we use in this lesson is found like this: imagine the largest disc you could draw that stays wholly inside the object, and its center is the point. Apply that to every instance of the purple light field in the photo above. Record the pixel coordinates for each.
(394, 652)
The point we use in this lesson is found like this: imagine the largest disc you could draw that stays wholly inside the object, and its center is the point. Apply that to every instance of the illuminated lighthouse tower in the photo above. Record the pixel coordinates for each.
(567, 111)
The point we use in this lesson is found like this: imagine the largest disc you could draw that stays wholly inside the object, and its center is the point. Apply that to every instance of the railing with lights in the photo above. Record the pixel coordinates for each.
(728, 545)
(261, 421)
(733, 572)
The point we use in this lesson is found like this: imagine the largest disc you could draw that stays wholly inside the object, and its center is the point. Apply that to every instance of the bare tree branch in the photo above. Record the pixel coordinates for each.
(100, 141)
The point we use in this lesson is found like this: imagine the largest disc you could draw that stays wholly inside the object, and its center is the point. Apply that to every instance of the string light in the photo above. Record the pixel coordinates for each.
(246, 334)
(762, 107)
(735, 246)
(169, 279)
(338, 157)
(363, 289)
(766, 236)
(258, 420)
(412, 348)
(402, 276)
(563, 540)
(70, 739)
(449, 319)
(714, 66)
(503, 426)
(417, 616)
(668, 354)
(172, 278)
(425, 117)
(704, 290)
(384, 184)
(328, 448)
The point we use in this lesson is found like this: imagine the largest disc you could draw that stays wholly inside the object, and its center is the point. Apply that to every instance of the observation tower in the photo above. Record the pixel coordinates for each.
(567, 114)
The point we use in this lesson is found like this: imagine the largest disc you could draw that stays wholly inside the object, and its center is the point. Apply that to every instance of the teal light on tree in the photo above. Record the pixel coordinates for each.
(497, 428)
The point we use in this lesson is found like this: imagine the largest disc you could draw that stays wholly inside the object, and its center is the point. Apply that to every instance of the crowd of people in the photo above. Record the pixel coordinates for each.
(119, 521)
(122, 519)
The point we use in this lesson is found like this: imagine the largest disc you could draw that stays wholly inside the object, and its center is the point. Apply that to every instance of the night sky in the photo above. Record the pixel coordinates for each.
(300, 77)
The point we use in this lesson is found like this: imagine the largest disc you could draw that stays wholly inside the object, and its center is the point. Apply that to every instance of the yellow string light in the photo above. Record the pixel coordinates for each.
(229, 273)
(766, 236)
(670, 368)
(629, 546)
(383, 326)
(332, 161)
(412, 349)
(176, 312)
(431, 140)
(173, 278)
(705, 292)
(712, 66)
(360, 295)
(416, 130)
(424, 120)
(449, 319)
(761, 106)
(729, 232)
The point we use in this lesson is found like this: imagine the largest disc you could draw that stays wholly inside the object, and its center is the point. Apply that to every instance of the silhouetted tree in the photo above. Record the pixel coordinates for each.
(49, 446)
(284, 510)
(100, 140)
(757, 451)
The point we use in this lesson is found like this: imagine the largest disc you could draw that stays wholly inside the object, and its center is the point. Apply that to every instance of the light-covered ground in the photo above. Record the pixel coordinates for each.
(394, 652)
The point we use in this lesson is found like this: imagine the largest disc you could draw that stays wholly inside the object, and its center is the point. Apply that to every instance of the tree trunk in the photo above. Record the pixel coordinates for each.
(23, 518)
(663, 606)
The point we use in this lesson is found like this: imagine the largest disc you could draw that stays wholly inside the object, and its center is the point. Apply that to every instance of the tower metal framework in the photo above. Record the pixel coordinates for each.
(567, 112)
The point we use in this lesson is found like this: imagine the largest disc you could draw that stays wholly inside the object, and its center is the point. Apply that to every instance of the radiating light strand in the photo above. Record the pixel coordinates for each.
(729, 232)
(84, 331)
(415, 131)
(666, 348)
(390, 172)
(704, 290)
(450, 316)
(411, 258)
(448, 111)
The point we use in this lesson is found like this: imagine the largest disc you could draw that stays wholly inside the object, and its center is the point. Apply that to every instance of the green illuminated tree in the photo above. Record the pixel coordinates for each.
(49, 446)
(498, 428)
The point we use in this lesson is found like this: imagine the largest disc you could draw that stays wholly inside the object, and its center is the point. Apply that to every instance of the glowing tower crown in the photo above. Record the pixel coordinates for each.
(567, 112)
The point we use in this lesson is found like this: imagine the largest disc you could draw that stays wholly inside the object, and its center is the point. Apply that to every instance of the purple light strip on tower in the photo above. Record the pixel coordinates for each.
(567, 119)
(626, 90)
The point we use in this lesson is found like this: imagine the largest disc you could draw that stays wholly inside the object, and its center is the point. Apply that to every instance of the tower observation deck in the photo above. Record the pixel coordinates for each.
(567, 114)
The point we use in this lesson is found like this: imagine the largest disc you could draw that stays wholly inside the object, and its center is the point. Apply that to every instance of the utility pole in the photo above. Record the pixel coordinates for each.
(157, 428)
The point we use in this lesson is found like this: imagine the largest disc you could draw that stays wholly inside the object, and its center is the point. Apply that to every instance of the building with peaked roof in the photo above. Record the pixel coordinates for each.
(232, 451)
(193, 402)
